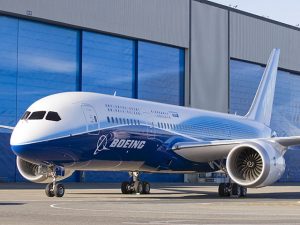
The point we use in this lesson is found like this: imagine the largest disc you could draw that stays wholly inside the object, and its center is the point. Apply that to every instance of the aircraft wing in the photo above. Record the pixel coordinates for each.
(7, 127)
(214, 150)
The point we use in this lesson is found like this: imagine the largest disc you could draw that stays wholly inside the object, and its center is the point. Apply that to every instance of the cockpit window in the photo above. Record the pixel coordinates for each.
(25, 115)
(53, 116)
(38, 115)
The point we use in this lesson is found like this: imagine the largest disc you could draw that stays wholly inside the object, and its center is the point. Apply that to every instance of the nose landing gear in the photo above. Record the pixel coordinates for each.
(135, 185)
(55, 189)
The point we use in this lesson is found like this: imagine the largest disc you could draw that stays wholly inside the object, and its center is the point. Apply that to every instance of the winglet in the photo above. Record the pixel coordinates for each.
(261, 108)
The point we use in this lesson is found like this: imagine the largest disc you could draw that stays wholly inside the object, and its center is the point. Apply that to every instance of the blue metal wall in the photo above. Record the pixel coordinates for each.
(38, 59)
(244, 81)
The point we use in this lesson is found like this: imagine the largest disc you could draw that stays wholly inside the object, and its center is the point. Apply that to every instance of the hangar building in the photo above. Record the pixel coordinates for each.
(185, 52)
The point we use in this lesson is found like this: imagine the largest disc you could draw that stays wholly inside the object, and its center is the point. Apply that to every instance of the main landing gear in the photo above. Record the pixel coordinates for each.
(232, 190)
(135, 185)
(54, 189)
(228, 189)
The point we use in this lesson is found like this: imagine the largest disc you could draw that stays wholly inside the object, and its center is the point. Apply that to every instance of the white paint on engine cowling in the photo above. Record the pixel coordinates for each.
(29, 171)
(273, 163)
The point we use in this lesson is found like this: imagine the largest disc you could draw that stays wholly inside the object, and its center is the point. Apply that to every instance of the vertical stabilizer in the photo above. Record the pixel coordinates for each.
(261, 108)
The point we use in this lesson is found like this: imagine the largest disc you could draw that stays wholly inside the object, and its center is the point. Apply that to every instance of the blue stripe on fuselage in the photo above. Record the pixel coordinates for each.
(118, 144)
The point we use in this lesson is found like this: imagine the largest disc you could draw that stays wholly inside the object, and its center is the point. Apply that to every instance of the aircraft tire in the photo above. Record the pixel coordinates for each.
(138, 187)
(146, 188)
(221, 190)
(243, 191)
(49, 190)
(224, 190)
(59, 190)
(125, 188)
(236, 190)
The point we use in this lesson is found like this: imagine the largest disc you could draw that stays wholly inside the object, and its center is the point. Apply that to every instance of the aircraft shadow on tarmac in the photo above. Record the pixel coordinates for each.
(11, 203)
(182, 193)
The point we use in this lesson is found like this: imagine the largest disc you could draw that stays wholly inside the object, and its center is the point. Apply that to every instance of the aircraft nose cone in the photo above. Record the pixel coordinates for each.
(18, 137)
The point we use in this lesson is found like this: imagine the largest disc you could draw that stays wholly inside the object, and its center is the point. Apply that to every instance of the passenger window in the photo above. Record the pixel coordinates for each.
(124, 121)
(117, 120)
(25, 115)
(38, 115)
(108, 120)
(128, 121)
(112, 120)
(53, 116)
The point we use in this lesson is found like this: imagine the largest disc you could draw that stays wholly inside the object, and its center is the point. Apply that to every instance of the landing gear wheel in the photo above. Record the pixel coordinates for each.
(146, 188)
(224, 190)
(236, 190)
(243, 191)
(125, 188)
(59, 190)
(138, 187)
(49, 190)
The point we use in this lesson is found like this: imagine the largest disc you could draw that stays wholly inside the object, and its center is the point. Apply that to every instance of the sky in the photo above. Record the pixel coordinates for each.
(286, 11)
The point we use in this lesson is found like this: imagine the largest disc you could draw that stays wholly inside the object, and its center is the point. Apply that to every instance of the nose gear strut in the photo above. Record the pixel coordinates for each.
(55, 189)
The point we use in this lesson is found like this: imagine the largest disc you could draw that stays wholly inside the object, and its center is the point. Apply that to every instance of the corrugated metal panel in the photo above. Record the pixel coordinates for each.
(253, 39)
(209, 57)
(164, 21)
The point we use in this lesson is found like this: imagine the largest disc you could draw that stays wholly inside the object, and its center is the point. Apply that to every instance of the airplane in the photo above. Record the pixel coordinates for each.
(71, 131)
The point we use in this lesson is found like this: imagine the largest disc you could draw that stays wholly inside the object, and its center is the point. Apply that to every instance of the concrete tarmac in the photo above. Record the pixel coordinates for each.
(168, 204)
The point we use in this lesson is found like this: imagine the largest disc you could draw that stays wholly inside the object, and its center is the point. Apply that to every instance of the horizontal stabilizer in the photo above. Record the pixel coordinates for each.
(7, 127)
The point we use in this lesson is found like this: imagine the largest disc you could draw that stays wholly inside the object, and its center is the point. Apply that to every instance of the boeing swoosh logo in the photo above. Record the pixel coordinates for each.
(101, 144)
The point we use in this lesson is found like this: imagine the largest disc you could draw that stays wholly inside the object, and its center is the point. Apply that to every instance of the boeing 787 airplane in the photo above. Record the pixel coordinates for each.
(72, 131)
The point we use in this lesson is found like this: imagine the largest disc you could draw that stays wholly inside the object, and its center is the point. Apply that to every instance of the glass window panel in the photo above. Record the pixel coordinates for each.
(244, 81)
(285, 120)
(286, 109)
(48, 61)
(108, 64)
(8, 76)
(160, 73)
(38, 115)
(53, 116)
(8, 70)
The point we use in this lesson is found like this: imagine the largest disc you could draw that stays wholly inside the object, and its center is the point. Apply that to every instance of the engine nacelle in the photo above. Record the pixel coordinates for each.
(32, 172)
(255, 164)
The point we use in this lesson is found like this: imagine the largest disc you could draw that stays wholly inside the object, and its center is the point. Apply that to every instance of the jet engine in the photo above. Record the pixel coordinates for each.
(38, 173)
(255, 164)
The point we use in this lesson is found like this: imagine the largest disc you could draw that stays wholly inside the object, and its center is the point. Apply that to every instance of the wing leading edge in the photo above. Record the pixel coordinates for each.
(215, 150)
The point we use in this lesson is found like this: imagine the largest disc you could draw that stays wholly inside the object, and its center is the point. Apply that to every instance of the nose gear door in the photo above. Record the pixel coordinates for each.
(91, 117)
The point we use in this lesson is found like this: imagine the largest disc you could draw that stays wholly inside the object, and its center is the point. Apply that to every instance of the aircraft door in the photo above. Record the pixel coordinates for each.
(91, 117)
